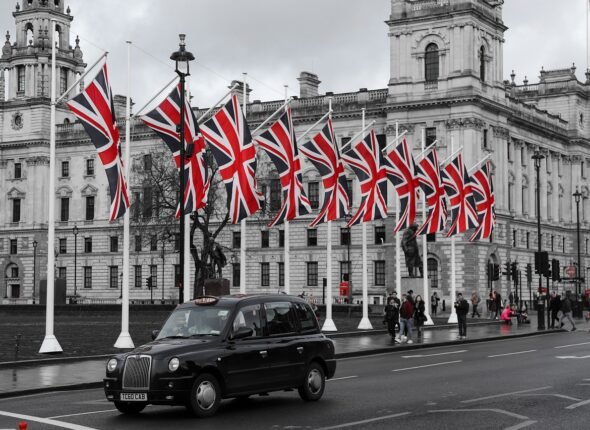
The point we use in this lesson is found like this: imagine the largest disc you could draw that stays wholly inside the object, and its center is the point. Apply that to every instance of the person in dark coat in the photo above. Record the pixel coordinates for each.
(434, 299)
(462, 309)
(554, 307)
(419, 314)
(566, 310)
(391, 316)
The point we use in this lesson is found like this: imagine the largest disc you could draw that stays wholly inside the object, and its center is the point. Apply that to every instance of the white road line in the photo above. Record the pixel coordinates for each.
(521, 425)
(566, 357)
(427, 365)
(81, 413)
(577, 405)
(340, 379)
(512, 353)
(561, 396)
(433, 355)
(370, 420)
(505, 394)
(60, 424)
(573, 344)
(498, 411)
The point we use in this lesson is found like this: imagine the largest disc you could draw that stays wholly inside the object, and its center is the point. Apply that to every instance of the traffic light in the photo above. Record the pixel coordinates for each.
(555, 270)
(506, 271)
(495, 272)
(513, 268)
(529, 272)
(148, 282)
(542, 263)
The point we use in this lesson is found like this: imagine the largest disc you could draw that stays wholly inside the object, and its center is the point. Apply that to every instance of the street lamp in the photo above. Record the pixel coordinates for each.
(540, 316)
(163, 267)
(577, 196)
(121, 282)
(35, 243)
(75, 263)
(182, 57)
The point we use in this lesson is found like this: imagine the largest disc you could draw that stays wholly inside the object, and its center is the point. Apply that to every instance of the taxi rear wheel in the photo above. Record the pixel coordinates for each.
(130, 408)
(205, 395)
(314, 384)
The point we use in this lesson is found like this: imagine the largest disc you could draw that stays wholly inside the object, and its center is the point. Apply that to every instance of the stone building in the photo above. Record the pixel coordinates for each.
(446, 79)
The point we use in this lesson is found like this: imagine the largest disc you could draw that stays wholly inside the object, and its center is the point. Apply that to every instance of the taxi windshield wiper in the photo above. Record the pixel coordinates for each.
(177, 336)
(204, 334)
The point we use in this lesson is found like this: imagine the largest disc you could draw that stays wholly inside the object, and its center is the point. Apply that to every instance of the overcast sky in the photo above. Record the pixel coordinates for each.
(344, 41)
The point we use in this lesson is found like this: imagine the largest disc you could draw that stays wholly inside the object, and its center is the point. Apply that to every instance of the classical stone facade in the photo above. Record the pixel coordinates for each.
(446, 81)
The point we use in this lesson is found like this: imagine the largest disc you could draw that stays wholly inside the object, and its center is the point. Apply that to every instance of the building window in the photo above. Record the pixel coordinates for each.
(137, 243)
(154, 243)
(13, 246)
(281, 238)
(20, 79)
(485, 138)
(345, 271)
(432, 266)
(312, 274)
(114, 243)
(523, 157)
(65, 169)
(63, 80)
(582, 169)
(147, 202)
(235, 268)
(136, 206)
(62, 272)
(177, 241)
(345, 236)
(482, 64)
(87, 276)
(275, 194)
(431, 63)
(154, 275)
(510, 194)
(90, 167)
(147, 162)
(379, 235)
(237, 239)
(18, 171)
(63, 246)
(509, 150)
(65, 209)
(563, 244)
(349, 191)
(312, 237)
(313, 192)
(430, 136)
(379, 272)
(281, 274)
(87, 245)
(113, 276)
(265, 238)
(137, 276)
(14, 272)
(552, 243)
(264, 274)
(528, 235)
(16, 210)
(514, 238)
(89, 208)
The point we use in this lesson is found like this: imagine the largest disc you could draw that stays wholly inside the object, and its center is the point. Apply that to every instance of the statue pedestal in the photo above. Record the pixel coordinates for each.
(414, 284)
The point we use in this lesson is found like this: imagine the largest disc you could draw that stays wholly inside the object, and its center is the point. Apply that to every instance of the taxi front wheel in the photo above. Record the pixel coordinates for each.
(205, 395)
(130, 408)
(314, 383)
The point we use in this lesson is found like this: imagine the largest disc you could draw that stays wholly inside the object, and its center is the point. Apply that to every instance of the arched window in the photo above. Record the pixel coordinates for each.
(431, 63)
(57, 36)
(482, 64)
(30, 34)
(432, 265)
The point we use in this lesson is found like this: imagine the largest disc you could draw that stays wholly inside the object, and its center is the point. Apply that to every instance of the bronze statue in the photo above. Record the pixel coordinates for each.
(411, 250)
(219, 260)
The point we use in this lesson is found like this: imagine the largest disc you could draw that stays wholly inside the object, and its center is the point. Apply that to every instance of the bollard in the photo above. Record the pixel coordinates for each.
(16, 346)
(443, 305)
(22, 425)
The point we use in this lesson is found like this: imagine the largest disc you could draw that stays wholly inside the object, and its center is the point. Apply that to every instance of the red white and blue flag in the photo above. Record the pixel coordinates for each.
(406, 184)
(321, 150)
(483, 193)
(460, 193)
(429, 176)
(94, 108)
(164, 120)
(229, 138)
(281, 146)
(368, 163)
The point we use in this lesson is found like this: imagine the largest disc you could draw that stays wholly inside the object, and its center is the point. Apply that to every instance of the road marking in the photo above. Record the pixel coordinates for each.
(499, 411)
(566, 357)
(512, 353)
(370, 420)
(48, 421)
(505, 394)
(573, 344)
(521, 425)
(427, 365)
(81, 413)
(577, 405)
(433, 355)
(584, 385)
(340, 379)
(561, 396)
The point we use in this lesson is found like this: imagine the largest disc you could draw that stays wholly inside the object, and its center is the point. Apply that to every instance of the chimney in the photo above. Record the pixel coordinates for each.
(239, 91)
(308, 84)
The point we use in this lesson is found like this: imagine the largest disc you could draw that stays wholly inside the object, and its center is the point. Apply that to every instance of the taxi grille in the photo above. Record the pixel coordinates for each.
(137, 372)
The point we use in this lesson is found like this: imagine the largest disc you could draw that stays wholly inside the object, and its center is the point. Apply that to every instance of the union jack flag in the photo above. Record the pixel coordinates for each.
(231, 144)
(431, 183)
(280, 144)
(94, 108)
(368, 163)
(164, 120)
(460, 193)
(403, 177)
(323, 153)
(483, 192)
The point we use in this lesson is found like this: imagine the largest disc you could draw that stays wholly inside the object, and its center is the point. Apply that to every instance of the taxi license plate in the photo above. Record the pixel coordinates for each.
(134, 397)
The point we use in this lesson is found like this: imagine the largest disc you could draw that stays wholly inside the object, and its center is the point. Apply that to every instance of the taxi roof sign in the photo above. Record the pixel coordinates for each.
(206, 300)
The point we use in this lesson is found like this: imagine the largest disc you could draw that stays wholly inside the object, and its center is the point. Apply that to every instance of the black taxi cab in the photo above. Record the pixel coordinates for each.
(223, 347)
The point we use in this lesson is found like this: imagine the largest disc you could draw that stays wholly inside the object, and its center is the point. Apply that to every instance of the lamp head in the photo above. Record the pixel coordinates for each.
(75, 230)
(182, 57)
(538, 157)
(35, 243)
(577, 195)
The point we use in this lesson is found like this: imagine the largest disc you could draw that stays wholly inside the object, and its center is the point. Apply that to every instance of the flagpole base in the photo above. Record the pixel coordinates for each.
(453, 318)
(50, 345)
(365, 324)
(124, 341)
(428, 319)
(329, 325)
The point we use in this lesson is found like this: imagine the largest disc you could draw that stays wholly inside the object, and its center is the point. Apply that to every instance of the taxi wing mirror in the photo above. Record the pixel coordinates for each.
(155, 334)
(242, 332)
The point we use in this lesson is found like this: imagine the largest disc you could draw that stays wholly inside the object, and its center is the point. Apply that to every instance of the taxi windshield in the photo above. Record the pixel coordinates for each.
(195, 322)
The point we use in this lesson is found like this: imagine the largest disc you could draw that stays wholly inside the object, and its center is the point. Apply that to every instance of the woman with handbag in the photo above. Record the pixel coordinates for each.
(419, 314)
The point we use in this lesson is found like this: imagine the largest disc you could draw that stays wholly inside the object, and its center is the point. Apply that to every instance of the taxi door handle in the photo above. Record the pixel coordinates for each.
(300, 349)
(264, 353)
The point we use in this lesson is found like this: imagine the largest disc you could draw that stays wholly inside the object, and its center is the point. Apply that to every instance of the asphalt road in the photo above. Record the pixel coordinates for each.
(539, 382)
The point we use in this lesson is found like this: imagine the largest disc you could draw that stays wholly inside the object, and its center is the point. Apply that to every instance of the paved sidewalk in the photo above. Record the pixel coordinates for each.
(54, 374)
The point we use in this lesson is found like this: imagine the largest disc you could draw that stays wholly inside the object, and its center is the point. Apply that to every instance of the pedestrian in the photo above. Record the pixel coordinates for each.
(507, 315)
(462, 309)
(434, 299)
(406, 314)
(410, 296)
(498, 303)
(511, 298)
(475, 305)
(391, 317)
(566, 310)
(554, 307)
(493, 307)
(419, 314)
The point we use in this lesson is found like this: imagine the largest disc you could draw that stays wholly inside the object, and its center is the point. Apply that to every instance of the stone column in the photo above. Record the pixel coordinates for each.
(518, 209)
(543, 181)
(554, 157)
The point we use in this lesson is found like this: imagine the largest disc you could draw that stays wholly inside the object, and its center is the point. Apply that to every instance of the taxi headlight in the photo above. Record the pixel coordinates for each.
(111, 364)
(173, 364)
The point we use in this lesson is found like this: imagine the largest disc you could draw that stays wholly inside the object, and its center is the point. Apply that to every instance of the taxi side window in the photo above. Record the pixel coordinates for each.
(248, 316)
(307, 318)
(280, 318)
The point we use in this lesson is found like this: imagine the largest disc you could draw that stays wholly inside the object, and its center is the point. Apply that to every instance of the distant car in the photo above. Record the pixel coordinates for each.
(222, 347)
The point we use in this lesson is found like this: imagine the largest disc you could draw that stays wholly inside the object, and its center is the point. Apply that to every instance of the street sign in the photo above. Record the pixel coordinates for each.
(571, 271)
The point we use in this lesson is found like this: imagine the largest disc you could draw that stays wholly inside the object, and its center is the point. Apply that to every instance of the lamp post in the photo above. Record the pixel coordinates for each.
(182, 58)
(35, 243)
(121, 283)
(75, 263)
(540, 316)
(163, 267)
(577, 197)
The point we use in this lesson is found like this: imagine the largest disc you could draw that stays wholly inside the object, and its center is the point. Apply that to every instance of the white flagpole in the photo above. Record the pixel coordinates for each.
(329, 323)
(203, 117)
(398, 268)
(453, 317)
(50, 343)
(136, 114)
(124, 340)
(243, 222)
(186, 273)
(365, 323)
(286, 265)
(426, 297)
